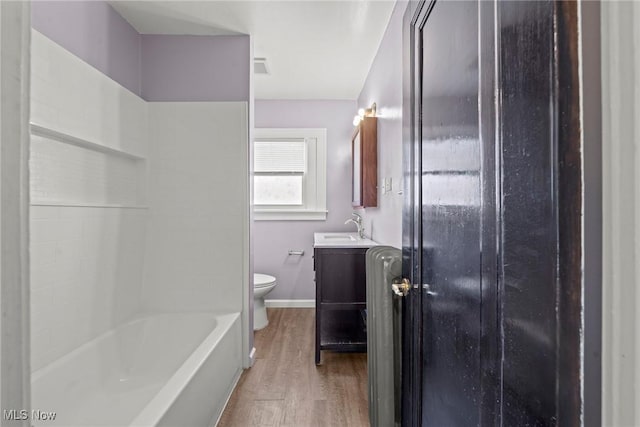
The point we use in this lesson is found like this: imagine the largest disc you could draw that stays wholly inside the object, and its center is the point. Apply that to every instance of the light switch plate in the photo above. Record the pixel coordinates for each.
(387, 185)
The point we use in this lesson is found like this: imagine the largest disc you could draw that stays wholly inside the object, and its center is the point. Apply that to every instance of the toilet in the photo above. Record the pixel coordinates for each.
(262, 285)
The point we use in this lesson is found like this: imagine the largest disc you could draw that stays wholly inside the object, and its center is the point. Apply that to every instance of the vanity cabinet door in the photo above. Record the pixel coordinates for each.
(342, 275)
(341, 291)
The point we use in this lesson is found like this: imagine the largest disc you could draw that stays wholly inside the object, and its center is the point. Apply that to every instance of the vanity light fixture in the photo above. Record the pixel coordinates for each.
(362, 113)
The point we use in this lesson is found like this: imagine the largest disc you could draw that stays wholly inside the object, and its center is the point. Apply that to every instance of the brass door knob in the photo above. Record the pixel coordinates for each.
(401, 287)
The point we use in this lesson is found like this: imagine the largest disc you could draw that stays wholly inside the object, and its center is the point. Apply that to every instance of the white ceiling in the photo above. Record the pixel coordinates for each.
(314, 49)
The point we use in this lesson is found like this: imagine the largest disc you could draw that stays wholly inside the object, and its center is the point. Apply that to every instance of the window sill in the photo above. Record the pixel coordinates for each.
(289, 215)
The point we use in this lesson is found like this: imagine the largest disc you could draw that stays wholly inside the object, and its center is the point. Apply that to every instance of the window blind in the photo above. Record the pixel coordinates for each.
(280, 156)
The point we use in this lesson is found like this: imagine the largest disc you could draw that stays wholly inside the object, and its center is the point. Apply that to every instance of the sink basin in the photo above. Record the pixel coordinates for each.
(341, 240)
(336, 238)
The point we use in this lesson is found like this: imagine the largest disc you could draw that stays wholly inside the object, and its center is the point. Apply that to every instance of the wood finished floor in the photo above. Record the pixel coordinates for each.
(285, 387)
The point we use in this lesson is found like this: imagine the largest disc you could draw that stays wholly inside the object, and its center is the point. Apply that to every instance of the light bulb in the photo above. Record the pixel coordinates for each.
(356, 120)
(361, 112)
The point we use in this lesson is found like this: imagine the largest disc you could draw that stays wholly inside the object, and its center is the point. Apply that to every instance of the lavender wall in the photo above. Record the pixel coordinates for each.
(96, 33)
(155, 67)
(384, 87)
(195, 68)
(273, 239)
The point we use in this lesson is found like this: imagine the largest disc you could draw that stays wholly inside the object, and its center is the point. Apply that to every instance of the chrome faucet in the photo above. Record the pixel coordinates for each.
(357, 220)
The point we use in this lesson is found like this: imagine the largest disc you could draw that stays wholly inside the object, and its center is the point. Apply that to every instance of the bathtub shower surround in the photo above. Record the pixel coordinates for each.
(157, 370)
(88, 166)
(196, 238)
(138, 243)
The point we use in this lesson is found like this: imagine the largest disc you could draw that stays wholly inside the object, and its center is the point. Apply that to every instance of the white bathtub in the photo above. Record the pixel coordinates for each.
(160, 370)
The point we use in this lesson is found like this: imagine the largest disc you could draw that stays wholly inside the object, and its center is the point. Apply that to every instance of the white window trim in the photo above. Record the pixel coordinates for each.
(316, 210)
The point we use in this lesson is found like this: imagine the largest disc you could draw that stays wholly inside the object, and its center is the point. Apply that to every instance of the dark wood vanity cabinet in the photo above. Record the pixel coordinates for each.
(341, 291)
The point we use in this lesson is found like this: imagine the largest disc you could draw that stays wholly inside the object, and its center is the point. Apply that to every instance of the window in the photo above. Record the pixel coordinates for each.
(289, 181)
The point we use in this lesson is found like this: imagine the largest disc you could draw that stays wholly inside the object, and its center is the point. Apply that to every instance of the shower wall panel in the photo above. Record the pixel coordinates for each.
(198, 199)
(88, 213)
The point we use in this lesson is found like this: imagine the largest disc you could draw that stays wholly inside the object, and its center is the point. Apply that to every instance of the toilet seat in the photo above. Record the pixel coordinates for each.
(262, 280)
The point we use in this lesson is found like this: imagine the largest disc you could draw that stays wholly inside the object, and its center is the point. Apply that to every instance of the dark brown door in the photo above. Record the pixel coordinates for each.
(491, 223)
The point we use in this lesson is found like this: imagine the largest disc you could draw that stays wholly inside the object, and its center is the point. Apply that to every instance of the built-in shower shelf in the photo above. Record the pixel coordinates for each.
(79, 142)
(88, 205)
(73, 172)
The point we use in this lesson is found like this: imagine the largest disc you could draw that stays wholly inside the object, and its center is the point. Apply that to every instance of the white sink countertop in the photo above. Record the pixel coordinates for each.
(341, 240)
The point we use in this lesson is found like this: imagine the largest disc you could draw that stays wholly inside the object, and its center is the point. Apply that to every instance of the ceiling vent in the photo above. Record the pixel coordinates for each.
(260, 66)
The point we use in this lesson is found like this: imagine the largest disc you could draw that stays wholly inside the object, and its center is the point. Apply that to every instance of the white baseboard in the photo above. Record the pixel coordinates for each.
(252, 357)
(290, 303)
